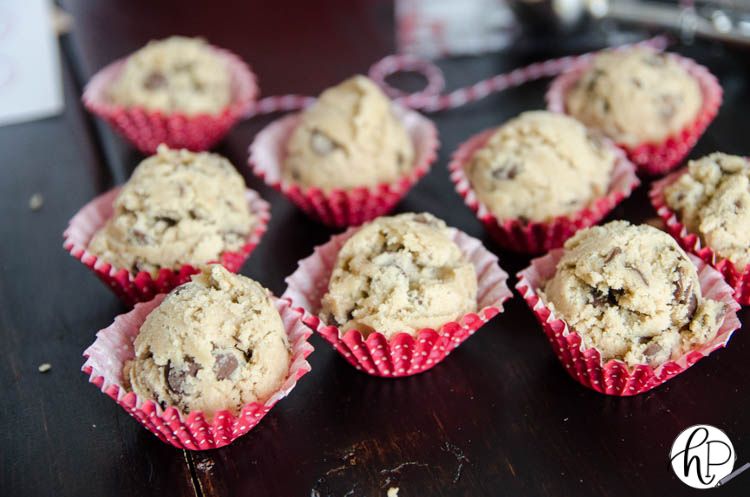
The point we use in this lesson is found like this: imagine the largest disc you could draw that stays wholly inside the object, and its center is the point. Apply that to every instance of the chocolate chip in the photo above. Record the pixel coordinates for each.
(680, 291)
(400, 161)
(140, 237)
(692, 306)
(321, 144)
(167, 220)
(137, 266)
(652, 350)
(612, 254)
(247, 354)
(154, 81)
(684, 290)
(598, 299)
(637, 82)
(508, 170)
(394, 246)
(638, 272)
(601, 299)
(192, 367)
(738, 204)
(339, 322)
(176, 377)
(224, 365)
(594, 78)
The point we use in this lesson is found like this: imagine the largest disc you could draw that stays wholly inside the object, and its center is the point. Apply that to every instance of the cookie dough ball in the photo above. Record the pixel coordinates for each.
(635, 96)
(399, 274)
(214, 343)
(174, 75)
(633, 294)
(349, 138)
(540, 165)
(178, 207)
(713, 200)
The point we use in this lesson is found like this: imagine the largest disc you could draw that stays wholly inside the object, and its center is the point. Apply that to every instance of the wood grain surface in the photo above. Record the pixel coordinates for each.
(498, 417)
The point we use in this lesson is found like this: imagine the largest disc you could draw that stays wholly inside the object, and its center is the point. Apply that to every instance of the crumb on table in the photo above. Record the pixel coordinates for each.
(36, 202)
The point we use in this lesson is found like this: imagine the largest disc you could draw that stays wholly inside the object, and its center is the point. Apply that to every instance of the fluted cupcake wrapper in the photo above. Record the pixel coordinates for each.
(146, 129)
(403, 354)
(654, 158)
(738, 278)
(143, 286)
(614, 377)
(113, 347)
(340, 208)
(536, 237)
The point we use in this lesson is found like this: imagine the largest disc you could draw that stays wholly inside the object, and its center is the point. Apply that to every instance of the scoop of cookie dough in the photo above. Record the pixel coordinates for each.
(348, 138)
(632, 293)
(174, 75)
(178, 207)
(540, 165)
(713, 200)
(399, 274)
(214, 343)
(635, 96)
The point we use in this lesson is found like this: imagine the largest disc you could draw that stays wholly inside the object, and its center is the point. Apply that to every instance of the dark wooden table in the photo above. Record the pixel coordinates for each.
(498, 417)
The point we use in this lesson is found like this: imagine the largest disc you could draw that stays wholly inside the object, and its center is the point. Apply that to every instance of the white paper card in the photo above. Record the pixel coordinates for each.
(30, 82)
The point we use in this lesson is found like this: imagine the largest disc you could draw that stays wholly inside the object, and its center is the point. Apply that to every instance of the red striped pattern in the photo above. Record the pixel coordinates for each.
(431, 98)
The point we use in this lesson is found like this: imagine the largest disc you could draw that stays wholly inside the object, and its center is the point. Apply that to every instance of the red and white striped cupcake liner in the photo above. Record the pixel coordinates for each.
(340, 208)
(738, 278)
(536, 237)
(143, 286)
(653, 158)
(614, 377)
(147, 129)
(113, 347)
(403, 354)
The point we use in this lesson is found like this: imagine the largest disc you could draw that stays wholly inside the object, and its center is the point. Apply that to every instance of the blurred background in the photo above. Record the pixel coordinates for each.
(522, 424)
(30, 76)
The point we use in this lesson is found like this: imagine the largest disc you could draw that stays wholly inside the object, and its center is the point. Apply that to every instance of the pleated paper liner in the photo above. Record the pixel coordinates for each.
(143, 286)
(738, 278)
(402, 355)
(614, 377)
(146, 129)
(340, 208)
(535, 237)
(113, 346)
(654, 158)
